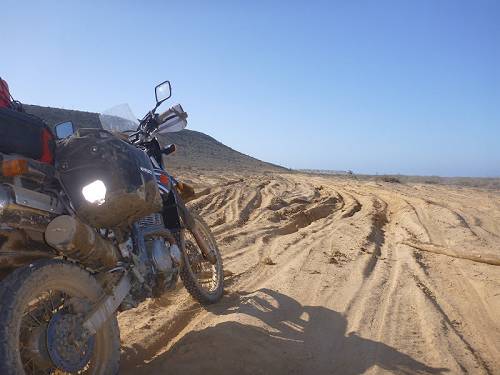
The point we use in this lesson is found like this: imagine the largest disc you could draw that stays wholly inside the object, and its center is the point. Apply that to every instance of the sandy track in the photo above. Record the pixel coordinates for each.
(367, 278)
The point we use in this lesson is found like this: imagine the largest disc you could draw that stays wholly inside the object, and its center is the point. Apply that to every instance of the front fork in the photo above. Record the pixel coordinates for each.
(191, 225)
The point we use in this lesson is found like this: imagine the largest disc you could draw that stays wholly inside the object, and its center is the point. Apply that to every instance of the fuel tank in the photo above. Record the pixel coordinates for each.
(110, 182)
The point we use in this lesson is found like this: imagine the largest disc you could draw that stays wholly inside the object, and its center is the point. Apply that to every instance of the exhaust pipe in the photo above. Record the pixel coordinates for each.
(81, 242)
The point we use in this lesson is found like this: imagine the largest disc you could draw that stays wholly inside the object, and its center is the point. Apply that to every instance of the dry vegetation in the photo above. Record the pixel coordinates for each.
(492, 183)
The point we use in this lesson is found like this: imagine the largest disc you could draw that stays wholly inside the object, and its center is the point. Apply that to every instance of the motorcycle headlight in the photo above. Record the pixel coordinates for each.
(95, 192)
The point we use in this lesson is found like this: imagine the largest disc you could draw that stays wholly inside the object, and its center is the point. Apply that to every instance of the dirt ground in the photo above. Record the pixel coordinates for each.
(333, 276)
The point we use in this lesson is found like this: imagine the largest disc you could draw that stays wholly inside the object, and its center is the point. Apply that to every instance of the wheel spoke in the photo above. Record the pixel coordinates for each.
(204, 272)
(51, 302)
(40, 311)
(46, 309)
(34, 319)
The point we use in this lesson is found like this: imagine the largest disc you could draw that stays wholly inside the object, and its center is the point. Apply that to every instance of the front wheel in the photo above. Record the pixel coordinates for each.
(203, 280)
(41, 323)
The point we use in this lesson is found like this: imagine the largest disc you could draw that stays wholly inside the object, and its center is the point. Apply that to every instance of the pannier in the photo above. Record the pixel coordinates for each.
(109, 182)
(4, 94)
(26, 135)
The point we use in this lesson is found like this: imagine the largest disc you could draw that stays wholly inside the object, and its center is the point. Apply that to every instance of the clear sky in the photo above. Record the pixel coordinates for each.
(408, 87)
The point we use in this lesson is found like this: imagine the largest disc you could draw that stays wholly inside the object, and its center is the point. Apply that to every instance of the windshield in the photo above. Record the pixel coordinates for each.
(119, 118)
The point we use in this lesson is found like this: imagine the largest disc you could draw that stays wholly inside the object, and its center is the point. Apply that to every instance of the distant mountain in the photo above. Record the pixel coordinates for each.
(195, 150)
(53, 116)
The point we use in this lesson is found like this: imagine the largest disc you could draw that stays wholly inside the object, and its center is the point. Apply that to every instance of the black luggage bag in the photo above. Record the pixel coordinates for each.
(26, 135)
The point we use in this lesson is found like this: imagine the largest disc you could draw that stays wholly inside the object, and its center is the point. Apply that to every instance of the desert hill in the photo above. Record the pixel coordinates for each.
(195, 149)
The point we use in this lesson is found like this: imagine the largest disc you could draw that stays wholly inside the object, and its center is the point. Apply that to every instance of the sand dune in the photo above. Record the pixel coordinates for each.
(333, 276)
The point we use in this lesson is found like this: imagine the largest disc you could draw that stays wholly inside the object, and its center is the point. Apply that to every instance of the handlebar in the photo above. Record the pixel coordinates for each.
(152, 122)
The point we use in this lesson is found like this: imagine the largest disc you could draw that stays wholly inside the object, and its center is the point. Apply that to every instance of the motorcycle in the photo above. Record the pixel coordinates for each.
(99, 232)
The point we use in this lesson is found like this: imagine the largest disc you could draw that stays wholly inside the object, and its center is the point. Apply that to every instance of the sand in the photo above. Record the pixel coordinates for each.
(333, 276)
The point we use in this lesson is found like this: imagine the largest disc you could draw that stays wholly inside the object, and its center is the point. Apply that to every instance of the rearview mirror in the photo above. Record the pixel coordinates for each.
(162, 92)
(64, 129)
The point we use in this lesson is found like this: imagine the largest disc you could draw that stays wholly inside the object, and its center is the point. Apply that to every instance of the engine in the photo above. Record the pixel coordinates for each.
(164, 256)
(155, 255)
(161, 268)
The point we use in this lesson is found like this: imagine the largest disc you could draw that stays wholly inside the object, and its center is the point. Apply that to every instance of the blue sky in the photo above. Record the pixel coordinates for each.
(408, 87)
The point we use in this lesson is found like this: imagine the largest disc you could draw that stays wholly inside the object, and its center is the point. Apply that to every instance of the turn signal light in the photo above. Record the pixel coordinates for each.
(11, 168)
(164, 179)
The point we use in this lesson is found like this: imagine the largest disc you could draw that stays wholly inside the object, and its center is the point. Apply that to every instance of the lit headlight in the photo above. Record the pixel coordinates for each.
(95, 192)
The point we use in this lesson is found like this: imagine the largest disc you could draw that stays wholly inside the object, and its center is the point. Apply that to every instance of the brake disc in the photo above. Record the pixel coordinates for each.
(68, 347)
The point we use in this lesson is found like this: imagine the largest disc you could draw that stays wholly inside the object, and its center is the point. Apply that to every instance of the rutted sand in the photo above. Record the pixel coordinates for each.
(368, 278)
